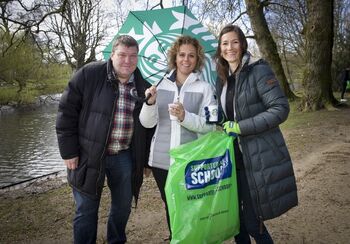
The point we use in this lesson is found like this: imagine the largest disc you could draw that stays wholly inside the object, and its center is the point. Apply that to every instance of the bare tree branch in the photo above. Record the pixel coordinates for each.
(79, 31)
(28, 23)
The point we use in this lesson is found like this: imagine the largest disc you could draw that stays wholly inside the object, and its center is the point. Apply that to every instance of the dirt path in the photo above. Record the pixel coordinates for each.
(320, 149)
(321, 155)
(324, 199)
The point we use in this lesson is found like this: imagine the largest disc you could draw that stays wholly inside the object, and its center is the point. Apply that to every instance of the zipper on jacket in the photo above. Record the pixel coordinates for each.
(116, 90)
(239, 144)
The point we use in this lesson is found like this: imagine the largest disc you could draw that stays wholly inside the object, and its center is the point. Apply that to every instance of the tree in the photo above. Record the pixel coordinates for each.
(217, 13)
(120, 14)
(19, 16)
(79, 30)
(21, 55)
(341, 49)
(20, 62)
(267, 45)
(286, 19)
(225, 12)
(317, 81)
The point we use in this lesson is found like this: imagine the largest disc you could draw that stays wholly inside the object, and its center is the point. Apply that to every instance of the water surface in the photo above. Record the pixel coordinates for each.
(28, 145)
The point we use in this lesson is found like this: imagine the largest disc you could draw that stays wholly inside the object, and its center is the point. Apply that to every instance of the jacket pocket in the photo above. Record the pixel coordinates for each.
(77, 177)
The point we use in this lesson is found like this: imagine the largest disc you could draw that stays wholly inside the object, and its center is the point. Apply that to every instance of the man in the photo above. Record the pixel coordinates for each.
(345, 83)
(99, 134)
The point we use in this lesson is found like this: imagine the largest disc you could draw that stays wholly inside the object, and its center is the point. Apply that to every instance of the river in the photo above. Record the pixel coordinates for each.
(28, 145)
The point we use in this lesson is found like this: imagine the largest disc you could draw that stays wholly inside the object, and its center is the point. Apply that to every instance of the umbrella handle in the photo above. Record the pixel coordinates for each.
(148, 97)
(149, 94)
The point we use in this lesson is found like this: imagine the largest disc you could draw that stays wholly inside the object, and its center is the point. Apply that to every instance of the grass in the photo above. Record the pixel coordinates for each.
(302, 119)
(33, 89)
(297, 119)
(54, 86)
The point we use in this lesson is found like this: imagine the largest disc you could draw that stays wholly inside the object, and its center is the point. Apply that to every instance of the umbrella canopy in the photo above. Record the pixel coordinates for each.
(156, 30)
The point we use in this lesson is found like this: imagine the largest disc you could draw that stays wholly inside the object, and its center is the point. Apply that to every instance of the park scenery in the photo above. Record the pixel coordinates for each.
(306, 43)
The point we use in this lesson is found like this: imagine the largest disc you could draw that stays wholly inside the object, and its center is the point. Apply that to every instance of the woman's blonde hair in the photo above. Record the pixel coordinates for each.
(174, 49)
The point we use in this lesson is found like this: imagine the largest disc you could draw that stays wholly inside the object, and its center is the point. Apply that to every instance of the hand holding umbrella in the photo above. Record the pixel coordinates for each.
(151, 95)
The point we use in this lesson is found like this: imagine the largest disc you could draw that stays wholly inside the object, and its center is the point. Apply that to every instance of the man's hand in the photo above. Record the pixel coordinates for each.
(72, 163)
(231, 128)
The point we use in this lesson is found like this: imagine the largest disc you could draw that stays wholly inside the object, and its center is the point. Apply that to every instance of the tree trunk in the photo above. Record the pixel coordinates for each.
(267, 45)
(317, 81)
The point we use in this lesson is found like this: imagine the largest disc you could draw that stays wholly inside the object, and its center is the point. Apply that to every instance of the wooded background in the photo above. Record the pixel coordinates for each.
(307, 42)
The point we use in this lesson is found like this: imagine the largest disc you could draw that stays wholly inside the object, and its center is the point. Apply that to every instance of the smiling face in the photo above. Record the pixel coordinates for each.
(124, 61)
(186, 59)
(231, 48)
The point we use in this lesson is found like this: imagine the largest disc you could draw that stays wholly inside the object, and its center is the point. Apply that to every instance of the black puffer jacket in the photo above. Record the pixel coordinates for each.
(84, 122)
(260, 107)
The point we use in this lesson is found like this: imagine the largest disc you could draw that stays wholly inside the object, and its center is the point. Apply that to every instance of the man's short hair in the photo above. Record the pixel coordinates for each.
(125, 40)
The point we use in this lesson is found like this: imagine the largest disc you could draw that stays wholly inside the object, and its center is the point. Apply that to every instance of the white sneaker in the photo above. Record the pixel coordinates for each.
(343, 100)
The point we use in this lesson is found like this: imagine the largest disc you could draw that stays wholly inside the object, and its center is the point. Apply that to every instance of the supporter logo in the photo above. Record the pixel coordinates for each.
(201, 173)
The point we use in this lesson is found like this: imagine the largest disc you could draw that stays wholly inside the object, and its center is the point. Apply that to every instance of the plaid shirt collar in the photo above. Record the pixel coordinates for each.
(131, 79)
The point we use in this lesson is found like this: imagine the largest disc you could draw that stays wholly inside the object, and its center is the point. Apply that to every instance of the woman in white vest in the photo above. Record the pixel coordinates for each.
(176, 107)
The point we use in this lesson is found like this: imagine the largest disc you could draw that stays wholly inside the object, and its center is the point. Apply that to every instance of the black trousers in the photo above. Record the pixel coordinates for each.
(160, 176)
(250, 225)
(343, 89)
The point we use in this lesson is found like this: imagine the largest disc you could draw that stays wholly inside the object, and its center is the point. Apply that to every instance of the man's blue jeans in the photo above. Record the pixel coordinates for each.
(118, 172)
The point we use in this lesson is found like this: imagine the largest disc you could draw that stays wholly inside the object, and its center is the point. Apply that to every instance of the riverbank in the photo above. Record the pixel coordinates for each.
(319, 144)
(51, 99)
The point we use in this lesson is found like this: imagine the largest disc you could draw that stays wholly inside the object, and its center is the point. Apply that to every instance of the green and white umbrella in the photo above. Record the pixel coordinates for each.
(156, 30)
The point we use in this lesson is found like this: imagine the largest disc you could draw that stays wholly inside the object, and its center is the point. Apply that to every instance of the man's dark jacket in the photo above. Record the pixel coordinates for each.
(84, 123)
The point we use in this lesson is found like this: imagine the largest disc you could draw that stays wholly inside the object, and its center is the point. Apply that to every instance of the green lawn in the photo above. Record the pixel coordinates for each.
(9, 94)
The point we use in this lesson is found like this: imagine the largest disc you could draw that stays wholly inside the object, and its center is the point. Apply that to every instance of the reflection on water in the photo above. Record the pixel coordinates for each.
(28, 145)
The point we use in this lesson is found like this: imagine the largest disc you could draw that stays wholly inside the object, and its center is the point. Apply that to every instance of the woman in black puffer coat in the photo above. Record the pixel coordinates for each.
(254, 107)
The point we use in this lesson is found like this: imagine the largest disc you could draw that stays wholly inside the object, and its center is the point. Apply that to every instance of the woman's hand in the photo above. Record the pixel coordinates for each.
(177, 109)
(153, 91)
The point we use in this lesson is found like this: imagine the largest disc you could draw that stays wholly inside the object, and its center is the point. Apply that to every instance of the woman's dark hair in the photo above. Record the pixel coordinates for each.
(222, 65)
